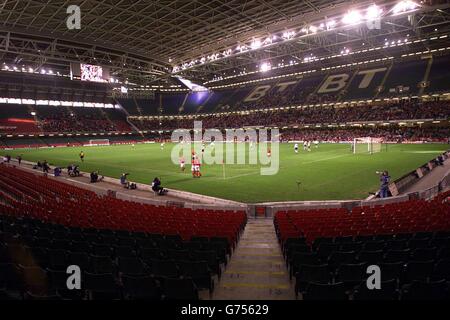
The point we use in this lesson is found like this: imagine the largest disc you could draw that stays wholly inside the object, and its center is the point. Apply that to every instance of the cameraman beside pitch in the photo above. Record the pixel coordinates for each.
(384, 183)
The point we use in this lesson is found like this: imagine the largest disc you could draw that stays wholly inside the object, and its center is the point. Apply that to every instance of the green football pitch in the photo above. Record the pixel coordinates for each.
(329, 172)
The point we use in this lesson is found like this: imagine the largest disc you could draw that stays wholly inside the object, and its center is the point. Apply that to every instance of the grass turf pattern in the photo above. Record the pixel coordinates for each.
(330, 172)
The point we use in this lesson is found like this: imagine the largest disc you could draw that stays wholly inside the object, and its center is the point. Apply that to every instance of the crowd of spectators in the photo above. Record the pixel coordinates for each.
(70, 120)
(389, 134)
(67, 121)
(288, 97)
(309, 115)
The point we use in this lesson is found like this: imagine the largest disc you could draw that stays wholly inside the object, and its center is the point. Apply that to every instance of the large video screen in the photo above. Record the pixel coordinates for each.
(91, 73)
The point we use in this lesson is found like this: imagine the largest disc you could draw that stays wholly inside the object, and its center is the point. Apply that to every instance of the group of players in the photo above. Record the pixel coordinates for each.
(195, 164)
(306, 146)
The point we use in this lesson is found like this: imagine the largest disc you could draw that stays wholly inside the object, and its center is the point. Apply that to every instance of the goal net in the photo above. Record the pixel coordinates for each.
(367, 145)
(98, 142)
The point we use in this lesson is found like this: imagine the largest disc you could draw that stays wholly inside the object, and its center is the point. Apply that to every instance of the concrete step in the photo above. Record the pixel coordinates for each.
(257, 269)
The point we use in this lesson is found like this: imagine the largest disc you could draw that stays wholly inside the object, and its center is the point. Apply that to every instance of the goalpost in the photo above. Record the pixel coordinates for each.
(367, 145)
(98, 142)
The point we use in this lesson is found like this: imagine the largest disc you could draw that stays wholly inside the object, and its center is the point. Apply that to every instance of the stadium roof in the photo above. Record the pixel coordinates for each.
(144, 40)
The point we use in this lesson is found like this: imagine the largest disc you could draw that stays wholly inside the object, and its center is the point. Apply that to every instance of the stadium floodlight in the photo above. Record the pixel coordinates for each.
(256, 44)
(288, 35)
(43, 71)
(309, 59)
(330, 24)
(265, 66)
(30, 70)
(373, 12)
(192, 86)
(268, 40)
(242, 48)
(352, 17)
(404, 6)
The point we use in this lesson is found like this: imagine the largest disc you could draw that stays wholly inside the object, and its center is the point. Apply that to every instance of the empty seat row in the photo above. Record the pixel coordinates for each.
(123, 249)
(417, 290)
(328, 251)
(38, 284)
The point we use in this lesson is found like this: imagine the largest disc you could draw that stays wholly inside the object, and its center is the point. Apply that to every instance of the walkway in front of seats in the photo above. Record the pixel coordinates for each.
(257, 269)
(431, 179)
(83, 182)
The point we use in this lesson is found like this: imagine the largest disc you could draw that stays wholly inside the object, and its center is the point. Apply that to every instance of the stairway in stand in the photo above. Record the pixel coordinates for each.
(257, 269)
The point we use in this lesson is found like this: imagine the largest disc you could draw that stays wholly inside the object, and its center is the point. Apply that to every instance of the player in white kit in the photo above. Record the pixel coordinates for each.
(182, 163)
